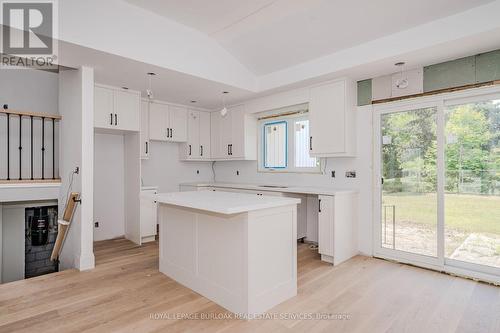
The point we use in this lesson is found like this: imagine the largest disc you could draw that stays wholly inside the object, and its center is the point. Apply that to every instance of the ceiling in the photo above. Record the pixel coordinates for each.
(167, 85)
(270, 35)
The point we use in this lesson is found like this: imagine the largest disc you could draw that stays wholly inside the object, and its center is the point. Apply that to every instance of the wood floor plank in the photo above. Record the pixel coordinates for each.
(127, 293)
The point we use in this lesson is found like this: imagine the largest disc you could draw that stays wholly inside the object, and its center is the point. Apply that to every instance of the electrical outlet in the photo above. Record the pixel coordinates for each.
(96, 224)
(350, 174)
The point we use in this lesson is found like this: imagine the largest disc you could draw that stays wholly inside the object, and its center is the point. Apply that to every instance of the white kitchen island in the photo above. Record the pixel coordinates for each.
(238, 250)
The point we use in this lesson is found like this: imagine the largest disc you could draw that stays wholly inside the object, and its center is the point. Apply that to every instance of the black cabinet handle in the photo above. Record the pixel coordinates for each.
(171, 133)
(228, 150)
(111, 119)
(319, 205)
(147, 148)
(310, 143)
(189, 150)
(201, 150)
(168, 133)
(116, 119)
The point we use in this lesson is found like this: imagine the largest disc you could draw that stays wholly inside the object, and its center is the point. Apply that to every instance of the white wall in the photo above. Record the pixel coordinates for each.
(109, 188)
(163, 168)
(29, 90)
(76, 103)
(13, 243)
(32, 91)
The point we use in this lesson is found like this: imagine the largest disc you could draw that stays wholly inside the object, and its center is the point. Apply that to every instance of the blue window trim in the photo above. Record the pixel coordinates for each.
(265, 145)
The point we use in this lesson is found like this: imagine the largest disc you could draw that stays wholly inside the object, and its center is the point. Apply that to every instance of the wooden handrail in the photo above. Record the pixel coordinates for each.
(30, 181)
(31, 114)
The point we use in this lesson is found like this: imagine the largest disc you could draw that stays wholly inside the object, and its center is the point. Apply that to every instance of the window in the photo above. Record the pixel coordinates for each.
(284, 145)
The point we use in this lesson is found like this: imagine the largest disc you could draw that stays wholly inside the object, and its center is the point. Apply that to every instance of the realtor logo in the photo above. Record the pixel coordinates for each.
(28, 32)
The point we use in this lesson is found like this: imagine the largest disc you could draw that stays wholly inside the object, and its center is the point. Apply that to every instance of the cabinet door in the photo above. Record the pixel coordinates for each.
(158, 121)
(178, 123)
(326, 206)
(327, 107)
(145, 130)
(103, 108)
(204, 149)
(226, 132)
(127, 110)
(191, 150)
(148, 216)
(217, 146)
(237, 130)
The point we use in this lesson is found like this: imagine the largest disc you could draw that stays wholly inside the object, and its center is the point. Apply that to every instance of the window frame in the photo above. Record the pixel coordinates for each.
(290, 151)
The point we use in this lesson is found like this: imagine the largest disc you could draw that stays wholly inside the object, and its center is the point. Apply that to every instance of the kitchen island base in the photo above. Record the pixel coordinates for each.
(245, 262)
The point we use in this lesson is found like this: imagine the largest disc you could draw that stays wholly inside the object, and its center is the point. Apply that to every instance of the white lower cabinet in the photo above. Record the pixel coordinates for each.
(337, 225)
(326, 208)
(148, 209)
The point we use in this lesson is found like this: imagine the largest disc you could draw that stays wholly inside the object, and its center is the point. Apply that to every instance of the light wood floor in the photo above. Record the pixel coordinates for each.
(125, 289)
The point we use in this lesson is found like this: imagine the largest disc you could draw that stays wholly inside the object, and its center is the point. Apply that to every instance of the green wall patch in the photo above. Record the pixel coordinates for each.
(488, 66)
(364, 92)
(450, 74)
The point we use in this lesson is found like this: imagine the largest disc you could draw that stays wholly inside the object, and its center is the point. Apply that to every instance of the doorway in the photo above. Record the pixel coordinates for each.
(437, 195)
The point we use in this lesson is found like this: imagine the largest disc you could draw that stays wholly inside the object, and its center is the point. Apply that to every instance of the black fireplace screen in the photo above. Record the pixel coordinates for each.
(41, 234)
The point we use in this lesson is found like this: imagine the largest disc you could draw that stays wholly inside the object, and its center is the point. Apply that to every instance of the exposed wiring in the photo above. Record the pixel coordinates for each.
(213, 170)
(325, 163)
(70, 186)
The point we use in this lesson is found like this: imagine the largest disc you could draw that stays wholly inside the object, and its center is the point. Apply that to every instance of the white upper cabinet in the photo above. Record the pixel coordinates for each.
(205, 149)
(331, 119)
(197, 146)
(167, 122)
(145, 148)
(158, 122)
(178, 123)
(103, 107)
(234, 136)
(127, 110)
(116, 108)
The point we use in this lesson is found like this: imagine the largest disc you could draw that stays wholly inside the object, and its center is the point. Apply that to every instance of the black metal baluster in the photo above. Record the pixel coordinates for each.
(31, 120)
(53, 148)
(43, 147)
(8, 146)
(20, 146)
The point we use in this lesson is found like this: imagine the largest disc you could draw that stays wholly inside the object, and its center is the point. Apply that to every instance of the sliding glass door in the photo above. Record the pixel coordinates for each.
(437, 193)
(472, 187)
(409, 187)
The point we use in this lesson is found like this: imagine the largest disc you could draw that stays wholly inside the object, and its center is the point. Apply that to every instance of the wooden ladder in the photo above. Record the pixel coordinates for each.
(64, 225)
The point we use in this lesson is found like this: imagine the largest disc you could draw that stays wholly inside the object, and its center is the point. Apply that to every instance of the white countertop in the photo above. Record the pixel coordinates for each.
(278, 188)
(149, 188)
(223, 202)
